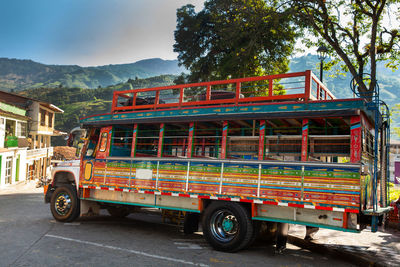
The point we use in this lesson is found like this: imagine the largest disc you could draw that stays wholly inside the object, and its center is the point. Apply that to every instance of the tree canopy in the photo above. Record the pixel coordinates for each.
(234, 38)
(355, 33)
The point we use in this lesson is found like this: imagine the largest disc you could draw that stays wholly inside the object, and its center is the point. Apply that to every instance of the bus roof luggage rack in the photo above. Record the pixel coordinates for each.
(297, 86)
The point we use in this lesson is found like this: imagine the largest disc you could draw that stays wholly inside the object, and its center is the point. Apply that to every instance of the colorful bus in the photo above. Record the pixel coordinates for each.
(231, 154)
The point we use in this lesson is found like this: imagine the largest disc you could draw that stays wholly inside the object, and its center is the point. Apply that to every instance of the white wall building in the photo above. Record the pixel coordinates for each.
(26, 127)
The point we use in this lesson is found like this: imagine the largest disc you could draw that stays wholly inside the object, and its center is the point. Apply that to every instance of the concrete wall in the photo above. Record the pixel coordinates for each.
(22, 165)
(2, 131)
(35, 114)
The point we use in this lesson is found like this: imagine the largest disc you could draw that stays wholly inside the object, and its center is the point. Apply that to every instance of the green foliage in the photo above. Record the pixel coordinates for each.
(394, 192)
(355, 33)
(80, 102)
(395, 115)
(232, 39)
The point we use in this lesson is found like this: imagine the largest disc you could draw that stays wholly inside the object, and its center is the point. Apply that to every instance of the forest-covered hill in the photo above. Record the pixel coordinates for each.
(78, 102)
(17, 75)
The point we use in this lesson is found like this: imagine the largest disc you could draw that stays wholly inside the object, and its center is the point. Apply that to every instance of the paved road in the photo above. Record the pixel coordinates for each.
(29, 236)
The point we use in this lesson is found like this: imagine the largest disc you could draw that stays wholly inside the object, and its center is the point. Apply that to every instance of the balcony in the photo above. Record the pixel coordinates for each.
(34, 154)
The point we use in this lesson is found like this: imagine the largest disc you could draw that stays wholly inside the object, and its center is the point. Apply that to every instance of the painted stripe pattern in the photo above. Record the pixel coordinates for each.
(323, 188)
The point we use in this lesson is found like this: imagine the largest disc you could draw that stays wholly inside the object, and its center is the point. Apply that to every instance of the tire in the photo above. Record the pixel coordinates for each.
(64, 203)
(118, 212)
(227, 226)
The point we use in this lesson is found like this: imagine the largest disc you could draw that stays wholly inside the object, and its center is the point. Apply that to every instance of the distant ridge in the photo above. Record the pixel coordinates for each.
(17, 74)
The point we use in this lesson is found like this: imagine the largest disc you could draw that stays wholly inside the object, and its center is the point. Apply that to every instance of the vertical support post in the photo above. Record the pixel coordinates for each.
(261, 141)
(157, 99)
(133, 150)
(302, 183)
(270, 87)
(161, 141)
(224, 139)
(307, 86)
(158, 173)
(134, 99)
(221, 177)
(187, 176)
(184, 152)
(355, 135)
(304, 141)
(259, 179)
(114, 101)
(345, 220)
(130, 173)
(181, 92)
(208, 93)
(319, 92)
(238, 92)
(203, 147)
(190, 140)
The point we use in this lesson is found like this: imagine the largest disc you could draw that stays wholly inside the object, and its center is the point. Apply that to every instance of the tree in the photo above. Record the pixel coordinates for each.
(355, 34)
(395, 114)
(234, 38)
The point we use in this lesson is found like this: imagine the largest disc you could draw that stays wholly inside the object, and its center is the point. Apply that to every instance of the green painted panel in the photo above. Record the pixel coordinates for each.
(12, 109)
(17, 171)
(306, 223)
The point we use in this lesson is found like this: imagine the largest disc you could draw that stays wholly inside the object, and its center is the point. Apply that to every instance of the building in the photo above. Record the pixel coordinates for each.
(26, 124)
(13, 149)
(394, 161)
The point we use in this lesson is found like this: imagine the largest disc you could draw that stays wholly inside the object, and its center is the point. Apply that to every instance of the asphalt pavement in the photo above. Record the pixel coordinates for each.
(29, 236)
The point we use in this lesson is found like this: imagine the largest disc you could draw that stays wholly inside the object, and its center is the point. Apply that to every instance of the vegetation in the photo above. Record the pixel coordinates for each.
(394, 192)
(80, 102)
(17, 75)
(231, 39)
(354, 32)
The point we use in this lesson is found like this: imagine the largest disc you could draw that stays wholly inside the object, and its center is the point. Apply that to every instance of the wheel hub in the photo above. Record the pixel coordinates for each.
(227, 224)
(63, 203)
(224, 226)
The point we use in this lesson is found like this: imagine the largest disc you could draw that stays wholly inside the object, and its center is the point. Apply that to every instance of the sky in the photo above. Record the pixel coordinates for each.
(89, 32)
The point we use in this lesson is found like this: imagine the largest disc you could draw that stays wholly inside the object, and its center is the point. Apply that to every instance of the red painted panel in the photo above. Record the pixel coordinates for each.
(103, 149)
(133, 150)
(261, 145)
(304, 141)
(161, 140)
(224, 137)
(355, 133)
(190, 140)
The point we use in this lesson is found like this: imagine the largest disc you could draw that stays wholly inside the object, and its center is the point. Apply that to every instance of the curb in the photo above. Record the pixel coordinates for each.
(359, 260)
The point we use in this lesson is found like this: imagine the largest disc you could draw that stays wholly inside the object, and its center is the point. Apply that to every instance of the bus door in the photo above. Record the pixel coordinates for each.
(94, 159)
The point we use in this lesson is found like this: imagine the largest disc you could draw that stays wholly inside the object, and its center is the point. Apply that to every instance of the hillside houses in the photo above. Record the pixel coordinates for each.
(26, 127)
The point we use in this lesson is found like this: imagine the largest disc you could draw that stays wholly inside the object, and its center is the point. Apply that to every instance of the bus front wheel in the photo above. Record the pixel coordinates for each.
(64, 203)
(227, 226)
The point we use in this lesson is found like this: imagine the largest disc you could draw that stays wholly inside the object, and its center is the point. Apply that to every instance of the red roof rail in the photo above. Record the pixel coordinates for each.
(297, 86)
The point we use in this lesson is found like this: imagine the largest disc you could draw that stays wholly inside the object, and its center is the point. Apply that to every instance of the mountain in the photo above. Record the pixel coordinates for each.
(17, 75)
(388, 80)
(80, 101)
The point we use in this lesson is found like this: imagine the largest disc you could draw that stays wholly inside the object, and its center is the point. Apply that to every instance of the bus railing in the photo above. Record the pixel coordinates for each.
(155, 177)
(298, 86)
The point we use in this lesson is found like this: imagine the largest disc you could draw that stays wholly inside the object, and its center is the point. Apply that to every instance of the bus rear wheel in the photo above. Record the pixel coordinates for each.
(227, 226)
(64, 203)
